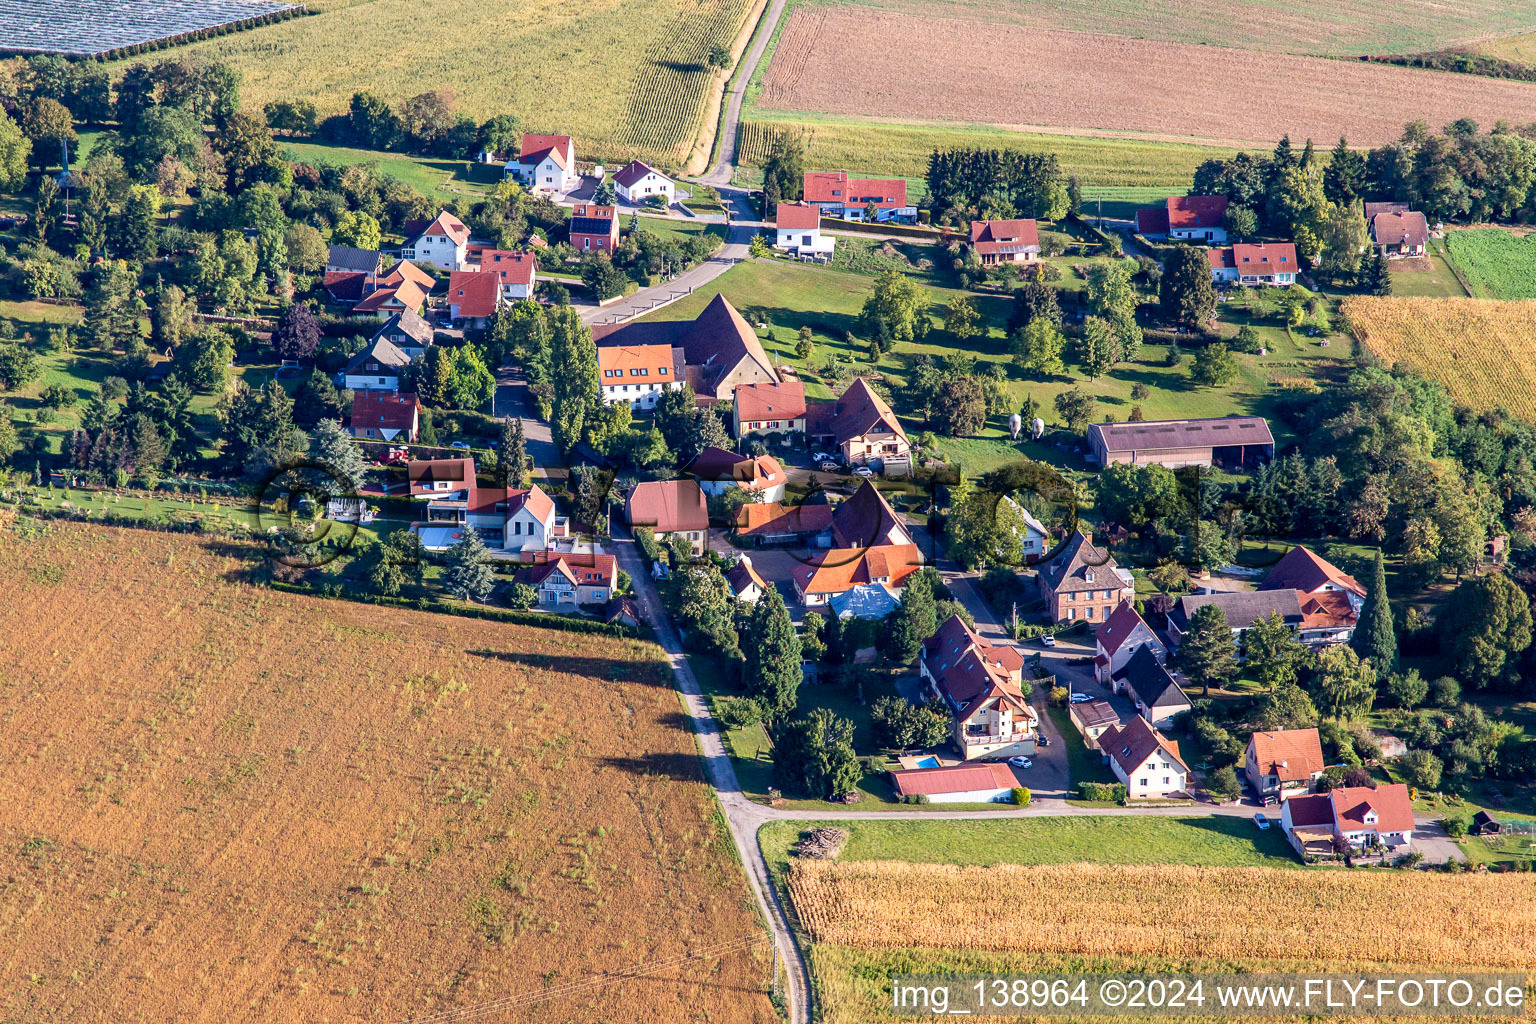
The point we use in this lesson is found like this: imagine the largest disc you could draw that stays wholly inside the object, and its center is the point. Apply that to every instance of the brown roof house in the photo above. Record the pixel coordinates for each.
(1364, 817)
(1284, 762)
(982, 684)
(384, 416)
(473, 297)
(637, 182)
(545, 163)
(442, 241)
(1005, 241)
(1144, 759)
(867, 520)
(1400, 235)
(1229, 440)
(718, 471)
(746, 582)
(763, 409)
(720, 350)
(670, 508)
(862, 427)
(1190, 218)
(1083, 582)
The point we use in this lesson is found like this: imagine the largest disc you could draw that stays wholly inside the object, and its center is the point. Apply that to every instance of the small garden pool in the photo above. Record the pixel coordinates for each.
(928, 762)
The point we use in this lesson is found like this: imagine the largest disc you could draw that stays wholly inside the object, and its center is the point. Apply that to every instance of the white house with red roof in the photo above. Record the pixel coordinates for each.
(545, 163)
(1309, 573)
(848, 198)
(1144, 759)
(519, 521)
(718, 471)
(637, 182)
(565, 580)
(862, 426)
(670, 508)
(442, 242)
(1361, 816)
(1190, 218)
(515, 272)
(638, 374)
(1120, 636)
(769, 408)
(978, 783)
(1005, 241)
(797, 230)
(746, 582)
(1260, 263)
(983, 685)
(473, 297)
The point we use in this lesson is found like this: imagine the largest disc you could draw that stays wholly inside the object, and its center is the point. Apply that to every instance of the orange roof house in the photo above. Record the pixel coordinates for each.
(1283, 760)
(841, 196)
(1305, 570)
(473, 295)
(1005, 241)
(840, 569)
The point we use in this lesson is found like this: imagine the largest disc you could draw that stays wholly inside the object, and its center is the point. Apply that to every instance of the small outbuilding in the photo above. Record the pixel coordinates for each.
(978, 782)
(1485, 824)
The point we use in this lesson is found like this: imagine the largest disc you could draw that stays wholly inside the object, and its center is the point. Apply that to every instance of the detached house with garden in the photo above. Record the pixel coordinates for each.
(545, 163)
(1261, 263)
(1283, 763)
(1396, 231)
(637, 183)
(983, 686)
(1186, 219)
(862, 199)
(594, 227)
(518, 522)
(861, 425)
(1145, 760)
(797, 231)
(1005, 241)
(1353, 818)
(442, 242)
(670, 509)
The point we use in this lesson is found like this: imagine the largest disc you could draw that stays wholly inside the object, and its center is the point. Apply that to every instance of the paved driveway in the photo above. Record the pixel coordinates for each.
(1437, 847)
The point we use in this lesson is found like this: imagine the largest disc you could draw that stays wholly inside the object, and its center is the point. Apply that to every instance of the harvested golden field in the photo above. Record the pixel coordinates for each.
(219, 803)
(1163, 911)
(1483, 351)
(623, 77)
(850, 61)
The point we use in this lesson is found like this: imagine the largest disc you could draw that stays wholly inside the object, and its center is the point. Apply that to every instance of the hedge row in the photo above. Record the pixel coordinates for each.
(1102, 791)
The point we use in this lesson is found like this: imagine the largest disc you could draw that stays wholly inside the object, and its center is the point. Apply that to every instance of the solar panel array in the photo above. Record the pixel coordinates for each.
(83, 28)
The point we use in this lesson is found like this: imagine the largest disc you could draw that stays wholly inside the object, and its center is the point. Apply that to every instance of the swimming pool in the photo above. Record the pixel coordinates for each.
(928, 762)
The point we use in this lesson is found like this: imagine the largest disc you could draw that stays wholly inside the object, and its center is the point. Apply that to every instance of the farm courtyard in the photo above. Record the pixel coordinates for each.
(849, 61)
(223, 803)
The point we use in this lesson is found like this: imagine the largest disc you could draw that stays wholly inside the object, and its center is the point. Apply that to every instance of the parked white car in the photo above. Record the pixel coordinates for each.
(1021, 762)
(863, 471)
(1080, 698)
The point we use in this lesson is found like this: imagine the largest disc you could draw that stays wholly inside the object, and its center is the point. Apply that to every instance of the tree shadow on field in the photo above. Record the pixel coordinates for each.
(613, 670)
(679, 767)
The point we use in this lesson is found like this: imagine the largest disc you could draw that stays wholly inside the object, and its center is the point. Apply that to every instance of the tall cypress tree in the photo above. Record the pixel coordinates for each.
(512, 466)
(771, 673)
(1374, 638)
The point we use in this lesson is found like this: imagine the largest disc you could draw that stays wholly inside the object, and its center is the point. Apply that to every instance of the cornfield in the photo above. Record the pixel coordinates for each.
(1484, 352)
(1161, 911)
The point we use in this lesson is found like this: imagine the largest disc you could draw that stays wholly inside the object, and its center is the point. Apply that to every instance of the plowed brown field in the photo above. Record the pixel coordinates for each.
(851, 61)
(219, 803)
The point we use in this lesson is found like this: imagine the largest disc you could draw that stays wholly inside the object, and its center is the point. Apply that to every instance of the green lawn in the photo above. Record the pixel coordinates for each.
(789, 296)
(1211, 840)
(681, 230)
(438, 179)
(1437, 282)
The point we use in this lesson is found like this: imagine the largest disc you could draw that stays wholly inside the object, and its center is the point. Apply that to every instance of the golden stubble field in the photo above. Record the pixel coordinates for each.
(1482, 350)
(869, 920)
(852, 61)
(219, 803)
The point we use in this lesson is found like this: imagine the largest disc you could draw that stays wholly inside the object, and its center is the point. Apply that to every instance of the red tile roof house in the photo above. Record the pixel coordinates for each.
(384, 417)
(1122, 635)
(441, 242)
(473, 297)
(762, 409)
(863, 428)
(720, 349)
(842, 569)
(1258, 264)
(545, 163)
(565, 580)
(638, 374)
(1005, 241)
(516, 272)
(594, 227)
(1400, 235)
(1362, 816)
(978, 783)
(1284, 762)
(797, 230)
(1310, 574)
(404, 289)
(845, 198)
(1144, 759)
(670, 508)
(718, 470)
(774, 523)
(1191, 218)
(981, 683)
(637, 182)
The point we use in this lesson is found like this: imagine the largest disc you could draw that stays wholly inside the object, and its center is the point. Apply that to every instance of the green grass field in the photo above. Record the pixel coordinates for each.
(439, 179)
(1435, 282)
(791, 296)
(624, 77)
(902, 149)
(1496, 263)
(1210, 840)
